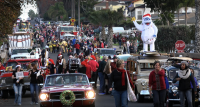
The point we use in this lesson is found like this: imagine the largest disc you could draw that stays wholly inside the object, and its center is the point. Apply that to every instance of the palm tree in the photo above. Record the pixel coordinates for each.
(96, 18)
(197, 26)
(110, 18)
(186, 4)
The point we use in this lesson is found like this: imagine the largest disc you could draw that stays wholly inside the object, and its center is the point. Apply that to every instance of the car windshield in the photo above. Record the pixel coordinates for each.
(146, 66)
(107, 52)
(24, 64)
(59, 80)
(17, 51)
(67, 29)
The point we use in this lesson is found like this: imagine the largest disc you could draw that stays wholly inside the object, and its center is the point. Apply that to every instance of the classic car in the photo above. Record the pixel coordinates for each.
(173, 95)
(6, 82)
(78, 83)
(140, 68)
(106, 52)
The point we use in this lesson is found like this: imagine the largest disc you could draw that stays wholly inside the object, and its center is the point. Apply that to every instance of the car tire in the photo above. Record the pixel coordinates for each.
(11, 92)
(4, 94)
(170, 104)
(92, 105)
(140, 98)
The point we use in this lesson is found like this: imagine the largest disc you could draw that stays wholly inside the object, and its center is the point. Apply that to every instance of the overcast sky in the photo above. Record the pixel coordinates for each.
(26, 9)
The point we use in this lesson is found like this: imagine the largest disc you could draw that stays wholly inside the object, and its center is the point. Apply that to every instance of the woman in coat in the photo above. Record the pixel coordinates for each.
(157, 85)
(33, 83)
(17, 85)
(118, 76)
(184, 76)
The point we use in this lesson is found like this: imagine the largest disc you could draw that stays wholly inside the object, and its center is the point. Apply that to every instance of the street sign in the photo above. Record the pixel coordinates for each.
(72, 20)
(180, 46)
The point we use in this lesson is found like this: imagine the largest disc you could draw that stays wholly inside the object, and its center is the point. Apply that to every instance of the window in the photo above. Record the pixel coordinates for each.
(139, 15)
(136, 5)
(98, 8)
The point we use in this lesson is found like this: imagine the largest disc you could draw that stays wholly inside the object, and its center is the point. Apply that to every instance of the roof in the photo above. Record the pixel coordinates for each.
(110, 3)
(181, 58)
(12, 60)
(133, 8)
(151, 60)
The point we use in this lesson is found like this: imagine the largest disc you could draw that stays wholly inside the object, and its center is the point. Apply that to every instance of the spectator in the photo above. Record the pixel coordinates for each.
(17, 85)
(157, 85)
(52, 66)
(118, 76)
(86, 51)
(61, 64)
(77, 46)
(34, 84)
(101, 75)
(193, 92)
(113, 64)
(88, 68)
(184, 77)
(131, 48)
(94, 65)
(74, 41)
(124, 49)
(123, 40)
(120, 42)
(128, 44)
(102, 44)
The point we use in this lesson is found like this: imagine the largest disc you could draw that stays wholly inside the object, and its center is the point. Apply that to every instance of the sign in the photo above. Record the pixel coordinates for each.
(19, 74)
(180, 46)
(72, 24)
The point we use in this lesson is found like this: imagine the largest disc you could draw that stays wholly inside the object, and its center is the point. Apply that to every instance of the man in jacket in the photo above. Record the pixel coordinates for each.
(86, 51)
(77, 46)
(94, 66)
(131, 48)
(101, 75)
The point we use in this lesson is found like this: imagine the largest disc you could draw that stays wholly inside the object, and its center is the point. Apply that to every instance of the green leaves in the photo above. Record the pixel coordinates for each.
(31, 14)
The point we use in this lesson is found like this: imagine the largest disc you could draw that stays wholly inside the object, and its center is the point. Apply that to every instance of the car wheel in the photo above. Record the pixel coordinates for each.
(23, 92)
(170, 104)
(140, 98)
(11, 92)
(4, 94)
(92, 105)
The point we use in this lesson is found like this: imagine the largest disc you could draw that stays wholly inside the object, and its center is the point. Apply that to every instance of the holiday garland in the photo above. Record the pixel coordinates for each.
(67, 93)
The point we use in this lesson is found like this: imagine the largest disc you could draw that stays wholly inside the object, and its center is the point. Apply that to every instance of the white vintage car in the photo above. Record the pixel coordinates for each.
(25, 53)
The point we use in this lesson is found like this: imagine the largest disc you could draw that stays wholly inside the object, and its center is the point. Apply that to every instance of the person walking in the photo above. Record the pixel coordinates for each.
(157, 85)
(128, 44)
(94, 66)
(77, 46)
(33, 83)
(184, 76)
(131, 48)
(118, 76)
(52, 66)
(101, 75)
(17, 85)
(61, 63)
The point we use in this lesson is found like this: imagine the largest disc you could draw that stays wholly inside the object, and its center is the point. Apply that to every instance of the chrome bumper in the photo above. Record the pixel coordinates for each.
(8, 87)
(144, 92)
(57, 100)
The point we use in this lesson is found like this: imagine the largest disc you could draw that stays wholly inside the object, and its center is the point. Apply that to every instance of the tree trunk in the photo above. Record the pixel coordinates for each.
(110, 37)
(178, 17)
(197, 27)
(185, 16)
(103, 35)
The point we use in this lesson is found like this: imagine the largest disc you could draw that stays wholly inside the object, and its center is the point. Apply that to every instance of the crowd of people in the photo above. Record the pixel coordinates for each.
(110, 71)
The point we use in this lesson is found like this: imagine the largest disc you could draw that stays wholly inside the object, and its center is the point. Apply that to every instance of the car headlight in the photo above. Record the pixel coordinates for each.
(3, 81)
(44, 96)
(89, 94)
(174, 89)
(143, 83)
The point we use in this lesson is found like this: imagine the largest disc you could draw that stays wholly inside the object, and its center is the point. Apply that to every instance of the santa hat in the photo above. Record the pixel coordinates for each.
(147, 15)
(93, 57)
(60, 56)
(84, 63)
(51, 61)
(18, 66)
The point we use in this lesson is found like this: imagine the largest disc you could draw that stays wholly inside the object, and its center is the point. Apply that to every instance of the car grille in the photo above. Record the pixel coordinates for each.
(78, 94)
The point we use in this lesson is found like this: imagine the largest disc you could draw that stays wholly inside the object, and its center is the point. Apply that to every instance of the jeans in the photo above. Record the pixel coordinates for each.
(120, 43)
(102, 82)
(128, 50)
(34, 87)
(77, 51)
(121, 99)
(124, 52)
(94, 78)
(159, 97)
(18, 93)
(188, 94)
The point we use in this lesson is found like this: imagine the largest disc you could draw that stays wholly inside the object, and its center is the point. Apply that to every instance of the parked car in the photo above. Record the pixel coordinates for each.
(106, 52)
(56, 84)
(173, 95)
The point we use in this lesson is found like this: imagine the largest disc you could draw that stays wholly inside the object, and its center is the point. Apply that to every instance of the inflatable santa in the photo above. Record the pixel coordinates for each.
(149, 32)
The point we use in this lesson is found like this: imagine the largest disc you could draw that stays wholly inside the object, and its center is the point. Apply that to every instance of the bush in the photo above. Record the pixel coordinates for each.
(167, 37)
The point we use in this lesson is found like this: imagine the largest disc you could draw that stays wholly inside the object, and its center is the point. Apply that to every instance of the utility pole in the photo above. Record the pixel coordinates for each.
(79, 22)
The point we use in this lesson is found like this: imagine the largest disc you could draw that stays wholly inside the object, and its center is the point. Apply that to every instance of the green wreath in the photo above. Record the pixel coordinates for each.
(67, 93)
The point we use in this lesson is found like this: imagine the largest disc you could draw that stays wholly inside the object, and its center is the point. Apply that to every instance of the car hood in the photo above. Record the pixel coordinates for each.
(21, 54)
(63, 88)
(107, 55)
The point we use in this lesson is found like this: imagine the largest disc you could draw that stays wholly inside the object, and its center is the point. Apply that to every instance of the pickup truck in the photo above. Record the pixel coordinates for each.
(6, 82)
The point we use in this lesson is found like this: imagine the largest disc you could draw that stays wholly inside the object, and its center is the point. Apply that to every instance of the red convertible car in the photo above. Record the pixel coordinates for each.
(56, 84)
